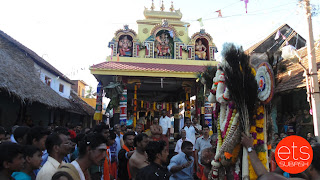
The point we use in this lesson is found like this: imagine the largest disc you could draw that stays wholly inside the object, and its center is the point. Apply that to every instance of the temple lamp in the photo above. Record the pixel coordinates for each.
(289, 52)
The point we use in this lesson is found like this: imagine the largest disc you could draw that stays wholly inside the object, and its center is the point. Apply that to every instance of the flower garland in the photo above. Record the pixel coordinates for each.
(219, 133)
(237, 170)
(227, 125)
(222, 143)
(223, 110)
(229, 119)
(256, 131)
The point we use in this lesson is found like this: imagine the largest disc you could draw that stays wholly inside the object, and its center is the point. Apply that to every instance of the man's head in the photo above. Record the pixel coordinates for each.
(37, 136)
(141, 141)
(78, 128)
(11, 157)
(103, 130)
(195, 120)
(58, 144)
(157, 150)
(68, 133)
(156, 121)
(20, 134)
(111, 138)
(214, 140)
(117, 129)
(188, 122)
(163, 113)
(139, 128)
(187, 148)
(93, 148)
(128, 139)
(123, 128)
(205, 130)
(183, 133)
(32, 156)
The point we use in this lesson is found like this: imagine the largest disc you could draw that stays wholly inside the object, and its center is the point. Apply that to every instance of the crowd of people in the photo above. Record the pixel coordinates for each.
(299, 123)
(118, 152)
(296, 123)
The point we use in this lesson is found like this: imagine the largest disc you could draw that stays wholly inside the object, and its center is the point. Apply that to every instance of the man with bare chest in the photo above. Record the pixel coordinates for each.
(139, 159)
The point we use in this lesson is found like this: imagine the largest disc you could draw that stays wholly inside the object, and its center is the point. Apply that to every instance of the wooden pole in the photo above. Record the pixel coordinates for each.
(314, 83)
(135, 106)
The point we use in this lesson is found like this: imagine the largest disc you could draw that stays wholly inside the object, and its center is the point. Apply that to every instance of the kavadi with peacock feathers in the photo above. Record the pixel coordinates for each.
(239, 93)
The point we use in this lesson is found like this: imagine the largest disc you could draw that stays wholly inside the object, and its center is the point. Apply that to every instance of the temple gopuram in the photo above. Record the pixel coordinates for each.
(155, 68)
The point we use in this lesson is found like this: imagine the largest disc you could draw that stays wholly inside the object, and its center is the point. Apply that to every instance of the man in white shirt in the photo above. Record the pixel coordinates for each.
(119, 136)
(190, 130)
(58, 146)
(180, 141)
(165, 123)
(197, 127)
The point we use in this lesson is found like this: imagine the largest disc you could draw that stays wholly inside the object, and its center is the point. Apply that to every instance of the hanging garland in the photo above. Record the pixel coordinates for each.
(257, 132)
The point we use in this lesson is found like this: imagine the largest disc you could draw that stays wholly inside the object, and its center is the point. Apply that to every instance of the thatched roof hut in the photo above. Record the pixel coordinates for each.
(19, 78)
(81, 104)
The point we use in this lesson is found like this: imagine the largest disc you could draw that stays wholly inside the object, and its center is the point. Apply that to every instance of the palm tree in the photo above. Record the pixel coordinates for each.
(90, 92)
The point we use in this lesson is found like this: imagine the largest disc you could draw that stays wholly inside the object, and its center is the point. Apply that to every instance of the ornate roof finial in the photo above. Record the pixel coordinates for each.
(126, 27)
(171, 8)
(162, 7)
(152, 6)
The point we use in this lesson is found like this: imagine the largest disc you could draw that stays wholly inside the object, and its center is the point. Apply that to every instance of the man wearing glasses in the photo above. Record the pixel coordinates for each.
(58, 146)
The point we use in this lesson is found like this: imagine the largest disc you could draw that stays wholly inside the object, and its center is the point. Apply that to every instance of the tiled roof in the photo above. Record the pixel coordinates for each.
(270, 44)
(148, 67)
(293, 77)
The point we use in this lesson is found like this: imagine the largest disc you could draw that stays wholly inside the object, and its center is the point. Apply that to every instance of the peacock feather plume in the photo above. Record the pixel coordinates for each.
(240, 80)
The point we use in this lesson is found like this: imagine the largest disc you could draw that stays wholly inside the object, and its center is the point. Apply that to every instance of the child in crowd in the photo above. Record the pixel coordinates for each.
(33, 159)
(11, 159)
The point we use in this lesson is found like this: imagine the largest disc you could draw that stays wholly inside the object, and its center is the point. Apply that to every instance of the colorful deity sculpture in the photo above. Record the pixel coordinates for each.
(162, 44)
(200, 50)
(125, 46)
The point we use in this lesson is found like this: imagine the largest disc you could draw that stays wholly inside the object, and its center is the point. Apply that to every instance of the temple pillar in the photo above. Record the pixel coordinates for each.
(123, 107)
(135, 105)
(187, 102)
(208, 112)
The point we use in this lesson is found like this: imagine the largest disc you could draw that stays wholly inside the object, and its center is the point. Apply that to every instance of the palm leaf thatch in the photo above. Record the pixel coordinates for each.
(241, 83)
(19, 78)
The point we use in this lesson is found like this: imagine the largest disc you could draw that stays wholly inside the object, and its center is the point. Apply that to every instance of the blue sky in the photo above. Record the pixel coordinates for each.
(74, 34)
